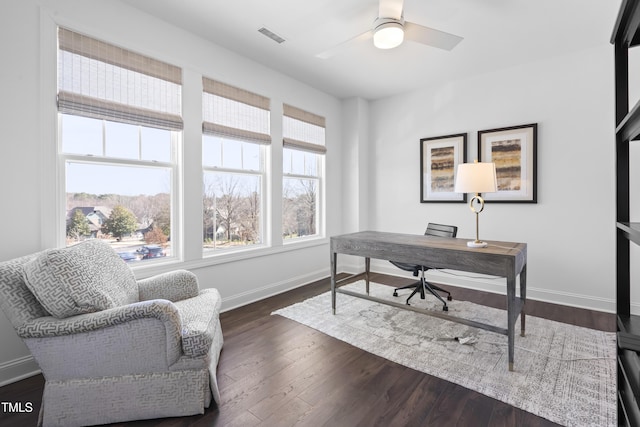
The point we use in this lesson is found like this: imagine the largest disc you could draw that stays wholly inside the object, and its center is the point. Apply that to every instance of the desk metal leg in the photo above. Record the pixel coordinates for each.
(523, 297)
(511, 316)
(333, 262)
(367, 266)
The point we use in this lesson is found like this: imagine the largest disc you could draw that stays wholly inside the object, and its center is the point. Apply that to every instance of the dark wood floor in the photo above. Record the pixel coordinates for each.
(276, 372)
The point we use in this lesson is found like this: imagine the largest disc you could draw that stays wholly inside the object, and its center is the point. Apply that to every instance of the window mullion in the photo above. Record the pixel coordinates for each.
(232, 170)
(79, 158)
(299, 176)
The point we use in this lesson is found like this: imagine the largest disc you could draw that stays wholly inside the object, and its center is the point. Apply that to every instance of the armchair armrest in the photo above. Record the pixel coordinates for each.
(136, 338)
(45, 327)
(173, 286)
(200, 318)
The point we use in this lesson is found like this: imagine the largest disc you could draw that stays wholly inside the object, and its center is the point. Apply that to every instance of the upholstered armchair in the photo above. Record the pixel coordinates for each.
(111, 348)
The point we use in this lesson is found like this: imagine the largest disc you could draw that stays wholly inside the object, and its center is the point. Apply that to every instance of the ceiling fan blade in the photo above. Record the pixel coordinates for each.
(340, 48)
(390, 9)
(430, 36)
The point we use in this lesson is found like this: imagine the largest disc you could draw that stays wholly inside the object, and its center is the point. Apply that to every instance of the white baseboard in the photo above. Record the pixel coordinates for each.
(18, 369)
(272, 289)
(496, 285)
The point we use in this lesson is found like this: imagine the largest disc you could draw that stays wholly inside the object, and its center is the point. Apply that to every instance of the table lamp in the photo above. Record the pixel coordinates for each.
(476, 178)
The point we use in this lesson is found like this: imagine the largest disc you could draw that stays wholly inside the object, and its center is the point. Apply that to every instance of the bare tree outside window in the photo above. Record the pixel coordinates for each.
(236, 130)
(231, 210)
(299, 207)
(303, 169)
(250, 218)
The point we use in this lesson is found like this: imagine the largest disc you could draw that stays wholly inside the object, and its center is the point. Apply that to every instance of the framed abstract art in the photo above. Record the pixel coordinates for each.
(514, 151)
(439, 160)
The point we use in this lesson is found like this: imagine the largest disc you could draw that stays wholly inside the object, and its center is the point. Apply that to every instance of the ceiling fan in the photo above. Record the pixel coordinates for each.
(390, 29)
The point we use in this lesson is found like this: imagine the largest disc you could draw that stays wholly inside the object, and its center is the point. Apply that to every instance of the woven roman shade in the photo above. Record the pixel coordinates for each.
(303, 130)
(103, 81)
(232, 112)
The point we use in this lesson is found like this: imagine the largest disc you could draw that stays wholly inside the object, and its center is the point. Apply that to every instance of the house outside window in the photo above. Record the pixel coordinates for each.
(303, 170)
(120, 128)
(236, 134)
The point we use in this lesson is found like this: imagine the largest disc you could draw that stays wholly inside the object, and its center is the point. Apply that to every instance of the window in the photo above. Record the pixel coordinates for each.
(235, 134)
(303, 165)
(119, 132)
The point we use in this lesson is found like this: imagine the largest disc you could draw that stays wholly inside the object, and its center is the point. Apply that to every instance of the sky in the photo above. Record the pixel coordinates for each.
(97, 138)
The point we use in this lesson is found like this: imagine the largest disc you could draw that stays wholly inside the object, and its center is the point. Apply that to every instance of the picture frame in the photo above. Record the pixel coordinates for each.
(439, 160)
(514, 150)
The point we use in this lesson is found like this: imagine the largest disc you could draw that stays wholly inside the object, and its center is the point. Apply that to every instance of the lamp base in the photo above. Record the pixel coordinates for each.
(476, 244)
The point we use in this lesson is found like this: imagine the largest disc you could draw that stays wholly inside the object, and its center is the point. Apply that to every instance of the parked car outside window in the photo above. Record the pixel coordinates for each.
(151, 251)
(129, 256)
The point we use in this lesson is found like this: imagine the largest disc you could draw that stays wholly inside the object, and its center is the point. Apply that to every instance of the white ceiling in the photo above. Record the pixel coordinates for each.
(497, 34)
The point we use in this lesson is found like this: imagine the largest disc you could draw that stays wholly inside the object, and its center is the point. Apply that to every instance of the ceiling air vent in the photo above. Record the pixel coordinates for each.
(273, 36)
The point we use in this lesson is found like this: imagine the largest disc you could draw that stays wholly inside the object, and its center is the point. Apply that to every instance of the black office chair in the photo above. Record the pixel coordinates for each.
(418, 270)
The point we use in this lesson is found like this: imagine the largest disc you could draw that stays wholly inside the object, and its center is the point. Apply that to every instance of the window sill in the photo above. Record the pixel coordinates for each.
(143, 271)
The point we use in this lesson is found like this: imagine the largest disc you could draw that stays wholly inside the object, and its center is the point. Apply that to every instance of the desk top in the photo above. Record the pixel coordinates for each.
(498, 258)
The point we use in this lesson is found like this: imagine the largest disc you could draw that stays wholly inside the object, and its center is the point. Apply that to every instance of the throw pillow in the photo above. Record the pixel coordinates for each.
(83, 278)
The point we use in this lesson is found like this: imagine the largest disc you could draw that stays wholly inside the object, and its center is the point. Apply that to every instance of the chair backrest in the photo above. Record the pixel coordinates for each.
(441, 230)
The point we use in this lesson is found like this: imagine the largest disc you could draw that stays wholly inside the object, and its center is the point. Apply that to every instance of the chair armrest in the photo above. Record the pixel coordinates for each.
(173, 286)
(163, 310)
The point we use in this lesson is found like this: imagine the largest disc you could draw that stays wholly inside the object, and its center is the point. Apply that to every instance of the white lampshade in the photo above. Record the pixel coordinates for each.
(388, 35)
(476, 178)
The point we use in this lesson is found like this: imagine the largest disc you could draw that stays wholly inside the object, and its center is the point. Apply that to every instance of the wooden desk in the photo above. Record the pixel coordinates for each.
(505, 259)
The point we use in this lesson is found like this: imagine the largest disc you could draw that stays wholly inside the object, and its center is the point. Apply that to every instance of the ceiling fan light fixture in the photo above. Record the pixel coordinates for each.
(388, 33)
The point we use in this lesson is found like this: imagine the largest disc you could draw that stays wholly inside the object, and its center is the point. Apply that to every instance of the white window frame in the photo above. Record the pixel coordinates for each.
(253, 129)
(173, 166)
(320, 151)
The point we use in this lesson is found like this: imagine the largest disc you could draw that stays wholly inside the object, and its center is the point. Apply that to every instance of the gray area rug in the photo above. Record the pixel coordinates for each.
(564, 373)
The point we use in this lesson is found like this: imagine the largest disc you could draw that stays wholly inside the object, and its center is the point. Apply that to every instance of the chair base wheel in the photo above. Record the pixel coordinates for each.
(445, 308)
(449, 298)
(395, 294)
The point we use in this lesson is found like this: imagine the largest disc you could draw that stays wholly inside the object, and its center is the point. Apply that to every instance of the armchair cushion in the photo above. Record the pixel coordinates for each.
(84, 278)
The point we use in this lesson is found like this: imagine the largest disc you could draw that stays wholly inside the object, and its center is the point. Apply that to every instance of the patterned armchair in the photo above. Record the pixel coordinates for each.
(111, 348)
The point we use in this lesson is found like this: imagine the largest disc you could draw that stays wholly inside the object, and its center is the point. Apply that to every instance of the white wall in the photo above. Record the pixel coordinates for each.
(28, 130)
(19, 179)
(570, 231)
